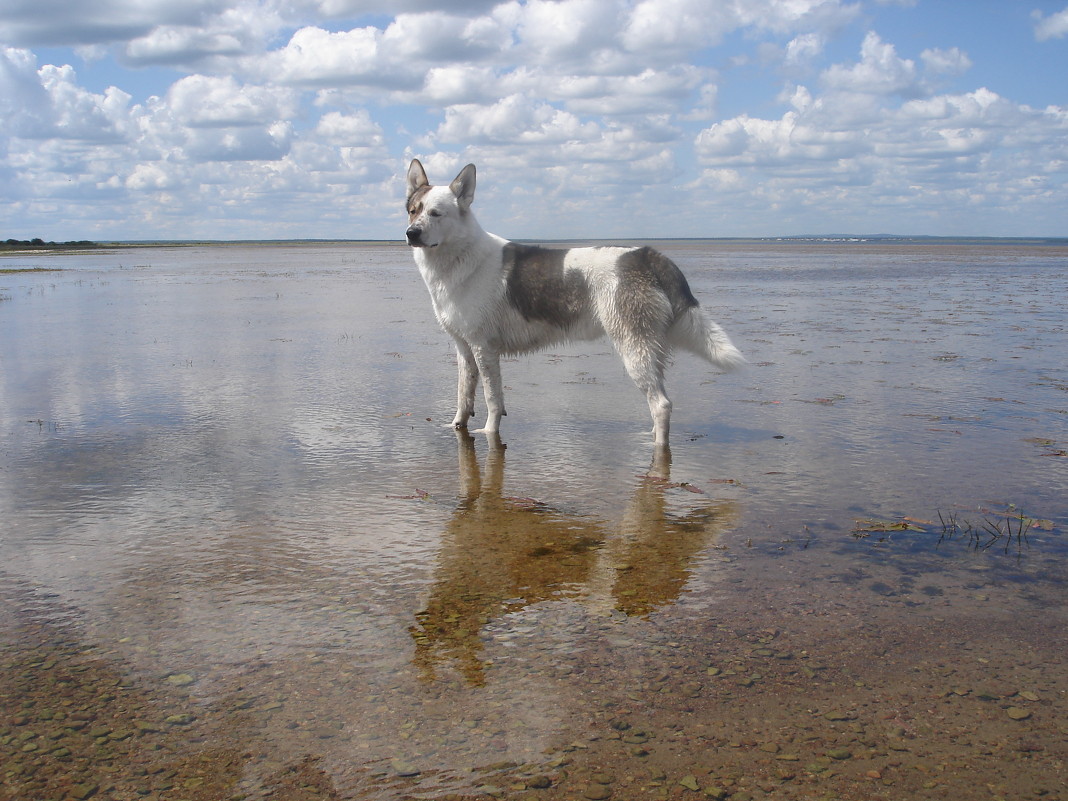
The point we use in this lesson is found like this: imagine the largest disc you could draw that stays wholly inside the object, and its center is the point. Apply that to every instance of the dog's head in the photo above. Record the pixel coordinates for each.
(435, 212)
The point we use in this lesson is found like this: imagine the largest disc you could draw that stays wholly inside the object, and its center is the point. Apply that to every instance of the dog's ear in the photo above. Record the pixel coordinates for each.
(416, 178)
(464, 187)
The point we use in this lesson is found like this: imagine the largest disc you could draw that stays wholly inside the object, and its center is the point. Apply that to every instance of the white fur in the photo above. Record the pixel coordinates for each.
(463, 267)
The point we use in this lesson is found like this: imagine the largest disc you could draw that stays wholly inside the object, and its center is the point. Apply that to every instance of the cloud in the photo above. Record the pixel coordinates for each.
(317, 57)
(804, 49)
(58, 22)
(515, 121)
(880, 71)
(25, 106)
(459, 84)
(149, 177)
(1055, 26)
(572, 29)
(226, 35)
(267, 143)
(439, 37)
(349, 130)
(946, 62)
(48, 103)
(924, 156)
(201, 101)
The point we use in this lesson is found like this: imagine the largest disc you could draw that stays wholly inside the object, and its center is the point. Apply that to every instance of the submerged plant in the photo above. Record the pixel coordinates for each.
(1012, 528)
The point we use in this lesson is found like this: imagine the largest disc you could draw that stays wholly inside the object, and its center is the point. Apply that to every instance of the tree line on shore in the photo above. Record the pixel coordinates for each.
(22, 244)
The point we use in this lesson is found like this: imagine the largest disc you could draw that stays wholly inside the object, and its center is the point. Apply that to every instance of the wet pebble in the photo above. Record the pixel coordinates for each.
(402, 768)
(597, 792)
(691, 689)
(689, 782)
(1018, 713)
(838, 714)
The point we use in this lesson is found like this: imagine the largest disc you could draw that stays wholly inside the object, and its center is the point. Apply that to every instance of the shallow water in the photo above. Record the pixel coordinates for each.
(243, 556)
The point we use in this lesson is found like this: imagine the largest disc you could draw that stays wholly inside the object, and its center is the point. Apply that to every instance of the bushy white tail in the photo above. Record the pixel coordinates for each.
(695, 332)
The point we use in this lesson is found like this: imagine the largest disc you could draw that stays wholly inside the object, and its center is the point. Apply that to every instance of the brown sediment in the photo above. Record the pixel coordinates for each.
(839, 698)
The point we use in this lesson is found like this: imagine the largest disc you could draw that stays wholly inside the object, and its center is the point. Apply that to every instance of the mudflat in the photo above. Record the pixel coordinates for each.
(243, 555)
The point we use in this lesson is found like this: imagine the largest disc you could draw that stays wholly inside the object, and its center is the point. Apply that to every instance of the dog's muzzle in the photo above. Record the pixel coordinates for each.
(414, 234)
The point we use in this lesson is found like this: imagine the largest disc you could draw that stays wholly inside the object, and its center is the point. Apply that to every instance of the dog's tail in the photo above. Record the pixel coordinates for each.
(695, 332)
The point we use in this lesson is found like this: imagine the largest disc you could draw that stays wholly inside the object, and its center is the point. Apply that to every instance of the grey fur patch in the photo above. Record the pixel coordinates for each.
(415, 199)
(648, 268)
(540, 288)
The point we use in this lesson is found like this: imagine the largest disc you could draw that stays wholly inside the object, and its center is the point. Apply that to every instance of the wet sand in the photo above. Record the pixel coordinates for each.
(244, 558)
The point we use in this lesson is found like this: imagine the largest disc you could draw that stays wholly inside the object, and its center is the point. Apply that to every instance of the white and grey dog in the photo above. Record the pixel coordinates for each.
(497, 297)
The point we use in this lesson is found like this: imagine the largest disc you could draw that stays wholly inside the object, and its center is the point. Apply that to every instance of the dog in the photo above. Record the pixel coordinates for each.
(496, 297)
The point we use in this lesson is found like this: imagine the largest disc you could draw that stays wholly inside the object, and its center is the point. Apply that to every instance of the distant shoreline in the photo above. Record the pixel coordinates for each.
(23, 249)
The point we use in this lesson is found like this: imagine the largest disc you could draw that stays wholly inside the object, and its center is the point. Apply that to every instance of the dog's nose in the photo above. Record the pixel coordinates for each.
(413, 233)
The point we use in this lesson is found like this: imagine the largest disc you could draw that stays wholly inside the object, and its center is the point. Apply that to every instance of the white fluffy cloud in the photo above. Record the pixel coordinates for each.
(877, 134)
(1055, 26)
(47, 102)
(697, 117)
(200, 101)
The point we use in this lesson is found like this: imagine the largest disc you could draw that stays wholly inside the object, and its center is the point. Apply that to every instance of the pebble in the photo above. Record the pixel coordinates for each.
(690, 783)
(402, 768)
(597, 792)
(840, 753)
(1017, 713)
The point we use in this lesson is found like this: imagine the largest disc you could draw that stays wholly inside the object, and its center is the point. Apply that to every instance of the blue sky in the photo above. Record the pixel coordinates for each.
(235, 119)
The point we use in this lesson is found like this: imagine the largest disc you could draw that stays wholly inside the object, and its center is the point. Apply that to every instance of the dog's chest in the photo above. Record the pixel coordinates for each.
(462, 305)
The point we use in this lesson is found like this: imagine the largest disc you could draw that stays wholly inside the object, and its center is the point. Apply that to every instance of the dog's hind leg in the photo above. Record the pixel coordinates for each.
(637, 322)
(645, 366)
(659, 409)
(467, 381)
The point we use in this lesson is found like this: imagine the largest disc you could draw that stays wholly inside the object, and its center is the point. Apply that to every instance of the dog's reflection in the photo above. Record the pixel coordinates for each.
(500, 554)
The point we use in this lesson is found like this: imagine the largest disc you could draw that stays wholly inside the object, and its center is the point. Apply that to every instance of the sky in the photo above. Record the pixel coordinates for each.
(292, 119)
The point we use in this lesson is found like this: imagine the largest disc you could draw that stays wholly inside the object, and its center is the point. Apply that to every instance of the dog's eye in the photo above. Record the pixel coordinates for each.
(434, 213)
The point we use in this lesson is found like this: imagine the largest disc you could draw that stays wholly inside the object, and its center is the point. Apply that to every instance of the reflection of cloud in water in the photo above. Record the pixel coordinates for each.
(501, 554)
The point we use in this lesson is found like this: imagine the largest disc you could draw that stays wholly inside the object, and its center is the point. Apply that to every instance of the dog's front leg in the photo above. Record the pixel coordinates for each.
(467, 380)
(489, 364)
